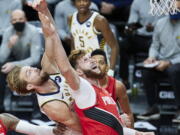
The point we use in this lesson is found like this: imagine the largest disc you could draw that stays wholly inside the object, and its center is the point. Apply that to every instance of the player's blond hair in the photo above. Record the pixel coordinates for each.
(15, 83)
(75, 55)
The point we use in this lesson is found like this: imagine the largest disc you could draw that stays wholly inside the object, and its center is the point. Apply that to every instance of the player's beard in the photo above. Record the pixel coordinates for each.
(44, 77)
(102, 74)
(92, 74)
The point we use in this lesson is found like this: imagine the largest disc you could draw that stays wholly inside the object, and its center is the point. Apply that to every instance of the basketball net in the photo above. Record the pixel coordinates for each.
(163, 7)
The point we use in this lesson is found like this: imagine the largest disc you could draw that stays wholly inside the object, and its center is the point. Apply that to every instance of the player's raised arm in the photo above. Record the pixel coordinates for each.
(58, 50)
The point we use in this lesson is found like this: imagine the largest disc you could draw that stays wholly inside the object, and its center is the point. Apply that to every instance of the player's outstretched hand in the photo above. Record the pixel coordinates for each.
(38, 5)
(47, 27)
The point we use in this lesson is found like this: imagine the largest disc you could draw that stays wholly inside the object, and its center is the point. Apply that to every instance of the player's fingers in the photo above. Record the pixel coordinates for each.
(29, 3)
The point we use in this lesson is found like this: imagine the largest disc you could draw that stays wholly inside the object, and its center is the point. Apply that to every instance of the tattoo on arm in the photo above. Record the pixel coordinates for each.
(9, 121)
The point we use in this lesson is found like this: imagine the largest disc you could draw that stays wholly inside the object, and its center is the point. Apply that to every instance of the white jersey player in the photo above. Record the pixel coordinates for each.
(91, 31)
(62, 94)
(85, 35)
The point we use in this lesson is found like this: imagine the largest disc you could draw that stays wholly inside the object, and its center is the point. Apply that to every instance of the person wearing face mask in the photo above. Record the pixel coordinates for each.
(6, 8)
(21, 45)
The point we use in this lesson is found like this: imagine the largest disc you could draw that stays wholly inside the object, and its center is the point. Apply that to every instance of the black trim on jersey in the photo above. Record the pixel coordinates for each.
(54, 74)
(105, 118)
(51, 93)
(84, 20)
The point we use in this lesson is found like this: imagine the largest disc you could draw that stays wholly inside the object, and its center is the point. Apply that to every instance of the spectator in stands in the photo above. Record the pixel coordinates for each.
(21, 45)
(6, 7)
(114, 10)
(165, 49)
(52, 4)
(61, 16)
(139, 35)
(116, 88)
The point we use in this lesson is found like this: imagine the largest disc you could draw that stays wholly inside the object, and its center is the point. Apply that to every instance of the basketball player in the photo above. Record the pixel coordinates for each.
(90, 31)
(83, 92)
(95, 107)
(113, 86)
(53, 93)
(10, 122)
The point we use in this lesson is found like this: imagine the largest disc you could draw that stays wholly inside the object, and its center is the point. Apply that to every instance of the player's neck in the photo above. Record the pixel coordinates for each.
(103, 81)
(92, 80)
(47, 87)
(84, 16)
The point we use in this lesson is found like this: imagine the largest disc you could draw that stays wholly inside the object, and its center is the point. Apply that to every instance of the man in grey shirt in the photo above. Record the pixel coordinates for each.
(165, 50)
(21, 45)
(6, 7)
(62, 11)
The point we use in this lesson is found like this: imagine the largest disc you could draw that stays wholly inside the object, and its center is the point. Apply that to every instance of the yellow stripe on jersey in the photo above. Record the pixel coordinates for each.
(102, 44)
(70, 24)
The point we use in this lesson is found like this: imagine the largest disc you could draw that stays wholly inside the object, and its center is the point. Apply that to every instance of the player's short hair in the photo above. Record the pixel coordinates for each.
(15, 83)
(75, 55)
(99, 52)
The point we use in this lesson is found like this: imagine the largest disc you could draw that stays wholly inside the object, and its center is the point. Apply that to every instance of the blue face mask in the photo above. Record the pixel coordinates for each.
(175, 16)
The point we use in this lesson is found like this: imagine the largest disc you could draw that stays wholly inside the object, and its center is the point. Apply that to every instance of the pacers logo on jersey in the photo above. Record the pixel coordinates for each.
(88, 24)
(58, 79)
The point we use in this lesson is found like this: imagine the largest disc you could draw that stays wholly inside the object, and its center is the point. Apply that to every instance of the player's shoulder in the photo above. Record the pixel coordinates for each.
(69, 19)
(99, 17)
(100, 21)
(120, 85)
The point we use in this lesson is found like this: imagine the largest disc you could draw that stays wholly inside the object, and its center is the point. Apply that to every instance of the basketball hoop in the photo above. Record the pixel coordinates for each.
(163, 7)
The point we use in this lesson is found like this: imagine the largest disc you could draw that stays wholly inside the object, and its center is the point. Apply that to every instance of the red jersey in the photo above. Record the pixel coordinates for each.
(2, 129)
(102, 118)
(111, 87)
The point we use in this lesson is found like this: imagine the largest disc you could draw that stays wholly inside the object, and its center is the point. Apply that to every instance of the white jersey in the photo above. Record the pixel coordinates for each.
(62, 94)
(85, 35)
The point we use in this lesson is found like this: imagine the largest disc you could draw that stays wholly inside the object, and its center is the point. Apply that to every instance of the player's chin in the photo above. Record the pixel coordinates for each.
(97, 74)
(82, 10)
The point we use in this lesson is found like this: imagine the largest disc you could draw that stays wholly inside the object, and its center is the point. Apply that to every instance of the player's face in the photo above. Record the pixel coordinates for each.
(82, 5)
(89, 66)
(101, 64)
(33, 75)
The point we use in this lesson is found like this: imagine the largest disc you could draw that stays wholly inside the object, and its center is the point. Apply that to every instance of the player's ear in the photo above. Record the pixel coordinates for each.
(107, 68)
(79, 72)
(30, 86)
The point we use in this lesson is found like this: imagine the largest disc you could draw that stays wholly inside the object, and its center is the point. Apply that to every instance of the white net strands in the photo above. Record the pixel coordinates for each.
(163, 7)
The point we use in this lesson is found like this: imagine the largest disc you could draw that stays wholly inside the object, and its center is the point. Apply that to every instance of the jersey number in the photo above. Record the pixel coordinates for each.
(81, 41)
